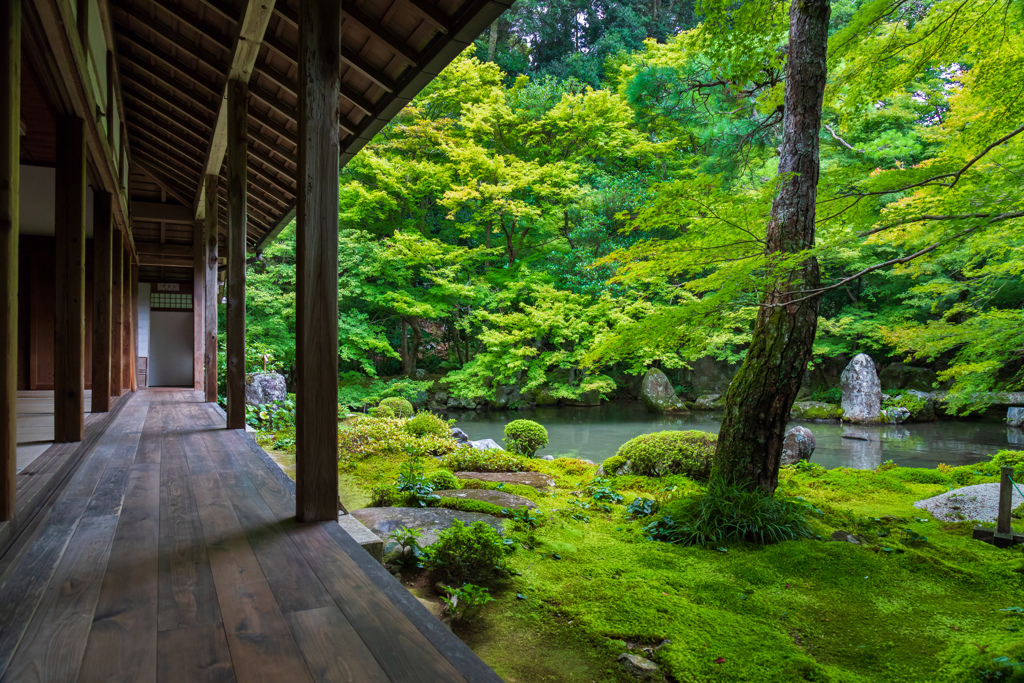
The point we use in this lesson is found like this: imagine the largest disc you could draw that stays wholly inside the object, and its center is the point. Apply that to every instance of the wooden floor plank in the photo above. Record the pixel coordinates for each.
(333, 649)
(194, 654)
(110, 492)
(261, 645)
(51, 651)
(122, 642)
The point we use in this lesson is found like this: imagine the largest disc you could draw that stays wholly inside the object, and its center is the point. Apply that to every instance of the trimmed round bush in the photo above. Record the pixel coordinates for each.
(399, 406)
(525, 437)
(468, 459)
(661, 453)
(443, 480)
(427, 424)
(467, 554)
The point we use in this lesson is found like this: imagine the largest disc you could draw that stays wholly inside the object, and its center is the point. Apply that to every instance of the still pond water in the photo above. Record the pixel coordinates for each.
(597, 433)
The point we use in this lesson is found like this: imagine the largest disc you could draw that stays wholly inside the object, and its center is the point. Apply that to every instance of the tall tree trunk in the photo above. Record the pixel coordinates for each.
(760, 397)
(414, 346)
(492, 41)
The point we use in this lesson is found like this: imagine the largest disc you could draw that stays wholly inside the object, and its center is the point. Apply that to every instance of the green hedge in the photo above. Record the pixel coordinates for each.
(468, 459)
(661, 453)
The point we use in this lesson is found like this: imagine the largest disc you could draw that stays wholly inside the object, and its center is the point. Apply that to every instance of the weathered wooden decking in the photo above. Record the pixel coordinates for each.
(172, 554)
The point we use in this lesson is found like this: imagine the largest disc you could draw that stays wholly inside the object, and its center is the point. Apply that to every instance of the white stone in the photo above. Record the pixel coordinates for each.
(862, 392)
(1015, 417)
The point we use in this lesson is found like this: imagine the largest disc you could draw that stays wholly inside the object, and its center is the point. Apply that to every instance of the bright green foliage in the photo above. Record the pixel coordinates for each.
(373, 436)
(470, 505)
(469, 459)
(613, 464)
(524, 437)
(462, 603)
(426, 423)
(399, 406)
(673, 452)
(443, 480)
(1008, 458)
(467, 554)
(726, 513)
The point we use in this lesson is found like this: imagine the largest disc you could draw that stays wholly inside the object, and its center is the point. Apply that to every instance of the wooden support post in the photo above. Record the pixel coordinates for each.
(1005, 501)
(69, 312)
(102, 247)
(238, 101)
(126, 322)
(116, 315)
(133, 313)
(210, 293)
(10, 155)
(316, 347)
(198, 300)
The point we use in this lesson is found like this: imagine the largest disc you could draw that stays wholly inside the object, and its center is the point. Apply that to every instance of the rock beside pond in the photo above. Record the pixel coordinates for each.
(895, 416)
(264, 387)
(709, 402)
(815, 410)
(431, 521)
(658, 395)
(862, 392)
(459, 435)
(639, 667)
(534, 479)
(485, 445)
(798, 445)
(1015, 417)
(499, 498)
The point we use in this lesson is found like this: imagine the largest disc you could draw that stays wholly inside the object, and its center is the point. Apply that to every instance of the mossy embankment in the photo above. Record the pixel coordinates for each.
(591, 585)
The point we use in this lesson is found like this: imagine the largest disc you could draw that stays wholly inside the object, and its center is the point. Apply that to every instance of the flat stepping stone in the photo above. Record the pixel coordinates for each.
(499, 498)
(382, 521)
(535, 479)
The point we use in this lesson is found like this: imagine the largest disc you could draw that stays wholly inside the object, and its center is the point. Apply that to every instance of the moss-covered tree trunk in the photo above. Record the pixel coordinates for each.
(760, 397)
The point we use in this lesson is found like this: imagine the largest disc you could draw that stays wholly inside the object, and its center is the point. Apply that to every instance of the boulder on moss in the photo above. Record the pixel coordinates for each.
(657, 393)
(862, 392)
(798, 445)
(815, 410)
(671, 452)
(709, 402)
(535, 479)
(262, 388)
(499, 498)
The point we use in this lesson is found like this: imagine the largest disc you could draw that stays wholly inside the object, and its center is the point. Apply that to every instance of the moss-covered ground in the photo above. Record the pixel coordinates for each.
(590, 586)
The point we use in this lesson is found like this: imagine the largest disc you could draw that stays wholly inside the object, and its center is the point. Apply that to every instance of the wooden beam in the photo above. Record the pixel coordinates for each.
(210, 289)
(69, 312)
(160, 249)
(352, 11)
(434, 17)
(10, 154)
(316, 346)
(238, 104)
(198, 301)
(116, 316)
(357, 62)
(251, 25)
(102, 246)
(157, 213)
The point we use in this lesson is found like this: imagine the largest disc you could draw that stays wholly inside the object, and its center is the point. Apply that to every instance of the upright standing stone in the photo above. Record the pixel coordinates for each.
(1015, 417)
(658, 395)
(862, 392)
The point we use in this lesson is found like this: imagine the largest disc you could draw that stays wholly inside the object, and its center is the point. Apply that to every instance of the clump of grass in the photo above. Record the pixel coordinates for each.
(730, 513)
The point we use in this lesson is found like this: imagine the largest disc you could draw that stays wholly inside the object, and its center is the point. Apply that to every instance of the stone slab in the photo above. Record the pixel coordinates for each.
(535, 479)
(500, 498)
(431, 521)
(371, 542)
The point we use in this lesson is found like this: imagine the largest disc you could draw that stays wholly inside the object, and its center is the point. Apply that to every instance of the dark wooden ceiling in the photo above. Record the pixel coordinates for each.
(174, 56)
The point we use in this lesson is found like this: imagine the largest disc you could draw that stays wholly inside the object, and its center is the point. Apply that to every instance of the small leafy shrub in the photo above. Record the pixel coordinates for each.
(461, 603)
(271, 417)
(915, 404)
(603, 490)
(383, 496)
(727, 512)
(887, 465)
(412, 480)
(1008, 458)
(641, 507)
(613, 464)
(1018, 512)
(469, 459)
(383, 412)
(386, 437)
(410, 555)
(467, 554)
(425, 423)
(525, 437)
(443, 480)
(400, 406)
(664, 529)
(524, 518)
(674, 452)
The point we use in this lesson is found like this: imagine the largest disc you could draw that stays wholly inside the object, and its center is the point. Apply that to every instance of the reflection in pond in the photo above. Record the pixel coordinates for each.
(596, 433)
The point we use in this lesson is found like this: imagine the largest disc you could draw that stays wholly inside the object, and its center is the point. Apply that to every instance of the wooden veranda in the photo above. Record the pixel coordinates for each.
(154, 146)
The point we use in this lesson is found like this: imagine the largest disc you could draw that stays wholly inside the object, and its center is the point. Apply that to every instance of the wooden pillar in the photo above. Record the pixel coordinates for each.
(116, 315)
(198, 300)
(69, 312)
(102, 248)
(10, 155)
(316, 346)
(1005, 501)
(126, 321)
(210, 294)
(133, 317)
(238, 100)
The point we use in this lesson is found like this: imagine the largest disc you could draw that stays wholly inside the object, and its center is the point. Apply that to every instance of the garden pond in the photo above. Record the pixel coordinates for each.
(596, 434)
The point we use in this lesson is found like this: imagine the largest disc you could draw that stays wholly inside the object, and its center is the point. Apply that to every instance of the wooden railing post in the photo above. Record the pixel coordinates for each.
(126, 322)
(316, 345)
(210, 294)
(1005, 501)
(102, 247)
(238, 101)
(198, 304)
(10, 156)
(116, 315)
(69, 312)
(133, 313)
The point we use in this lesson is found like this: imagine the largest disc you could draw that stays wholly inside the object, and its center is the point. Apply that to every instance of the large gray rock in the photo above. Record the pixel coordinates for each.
(798, 445)
(459, 435)
(534, 479)
(895, 416)
(485, 445)
(709, 402)
(1015, 417)
(658, 395)
(862, 392)
(901, 376)
(382, 521)
(640, 668)
(505, 500)
(504, 396)
(264, 387)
